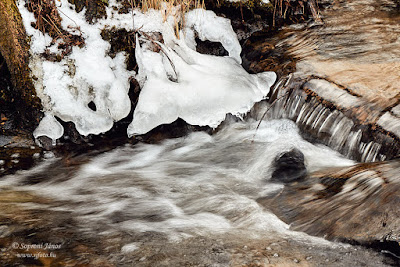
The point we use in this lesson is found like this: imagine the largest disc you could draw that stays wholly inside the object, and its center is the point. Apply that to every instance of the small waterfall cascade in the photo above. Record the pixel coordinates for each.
(343, 90)
(333, 123)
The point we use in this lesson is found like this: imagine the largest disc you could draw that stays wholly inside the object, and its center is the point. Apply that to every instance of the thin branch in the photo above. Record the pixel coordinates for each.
(157, 44)
(265, 113)
(273, 21)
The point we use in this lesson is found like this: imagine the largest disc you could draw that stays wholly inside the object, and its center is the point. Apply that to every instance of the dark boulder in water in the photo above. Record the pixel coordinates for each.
(289, 167)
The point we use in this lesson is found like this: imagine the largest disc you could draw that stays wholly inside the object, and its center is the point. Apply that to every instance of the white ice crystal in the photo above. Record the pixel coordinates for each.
(209, 26)
(49, 127)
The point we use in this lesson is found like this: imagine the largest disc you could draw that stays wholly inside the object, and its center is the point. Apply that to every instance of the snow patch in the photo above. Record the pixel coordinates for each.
(87, 75)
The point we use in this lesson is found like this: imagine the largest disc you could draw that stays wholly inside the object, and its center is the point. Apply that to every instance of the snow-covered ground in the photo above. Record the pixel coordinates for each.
(176, 82)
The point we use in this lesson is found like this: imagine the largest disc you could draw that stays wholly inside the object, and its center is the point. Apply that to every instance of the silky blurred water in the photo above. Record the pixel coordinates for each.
(201, 184)
(195, 185)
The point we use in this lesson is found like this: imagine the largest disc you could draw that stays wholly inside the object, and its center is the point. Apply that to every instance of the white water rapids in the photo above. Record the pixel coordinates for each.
(195, 185)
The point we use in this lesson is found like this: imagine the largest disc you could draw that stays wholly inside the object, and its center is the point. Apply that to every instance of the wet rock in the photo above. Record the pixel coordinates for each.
(263, 52)
(355, 204)
(337, 95)
(45, 142)
(331, 114)
(289, 167)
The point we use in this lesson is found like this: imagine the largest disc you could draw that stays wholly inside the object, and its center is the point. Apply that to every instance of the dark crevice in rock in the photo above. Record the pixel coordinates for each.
(176, 129)
(348, 90)
(11, 105)
(6, 94)
(332, 186)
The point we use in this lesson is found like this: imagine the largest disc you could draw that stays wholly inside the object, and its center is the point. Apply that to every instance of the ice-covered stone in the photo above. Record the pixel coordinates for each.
(49, 127)
(207, 88)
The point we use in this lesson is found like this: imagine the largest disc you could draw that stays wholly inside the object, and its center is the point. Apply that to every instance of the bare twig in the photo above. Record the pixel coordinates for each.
(265, 113)
(241, 11)
(77, 26)
(54, 26)
(273, 22)
(157, 44)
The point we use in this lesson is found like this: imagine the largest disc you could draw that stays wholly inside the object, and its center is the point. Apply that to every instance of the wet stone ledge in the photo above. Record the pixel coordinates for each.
(331, 114)
(357, 204)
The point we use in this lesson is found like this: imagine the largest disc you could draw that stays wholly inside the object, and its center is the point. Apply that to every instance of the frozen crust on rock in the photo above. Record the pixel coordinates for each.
(207, 88)
(179, 82)
(86, 75)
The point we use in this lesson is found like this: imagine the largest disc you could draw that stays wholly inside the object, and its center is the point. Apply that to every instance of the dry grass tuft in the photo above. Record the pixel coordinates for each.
(170, 6)
(184, 5)
(281, 8)
(48, 21)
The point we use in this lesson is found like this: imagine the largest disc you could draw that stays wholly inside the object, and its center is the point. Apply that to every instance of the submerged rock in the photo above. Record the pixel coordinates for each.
(289, 166)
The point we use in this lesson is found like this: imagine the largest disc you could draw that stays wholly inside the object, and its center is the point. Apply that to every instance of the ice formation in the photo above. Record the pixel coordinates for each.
(182, 83)
(87, 75)
(206, 88)
(176, 82)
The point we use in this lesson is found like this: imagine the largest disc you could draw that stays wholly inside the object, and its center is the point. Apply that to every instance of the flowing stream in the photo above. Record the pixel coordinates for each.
(206, 185)
(199, 185)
